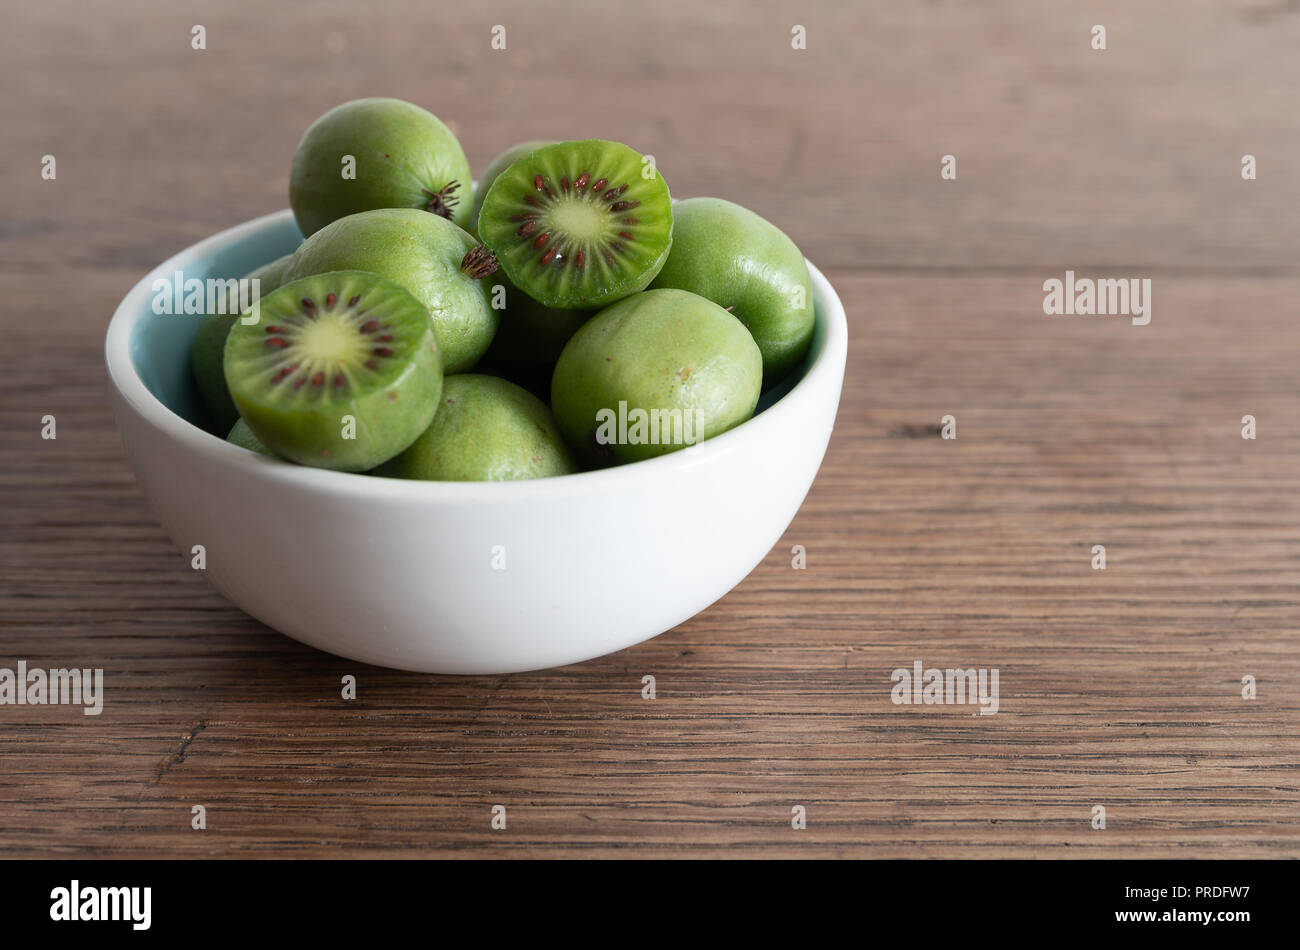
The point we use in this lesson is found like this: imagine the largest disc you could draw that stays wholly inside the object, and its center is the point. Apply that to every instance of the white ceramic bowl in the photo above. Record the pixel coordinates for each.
(401, 573)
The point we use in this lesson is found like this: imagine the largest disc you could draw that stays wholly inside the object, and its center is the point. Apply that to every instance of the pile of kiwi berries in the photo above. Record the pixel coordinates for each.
(423, 326)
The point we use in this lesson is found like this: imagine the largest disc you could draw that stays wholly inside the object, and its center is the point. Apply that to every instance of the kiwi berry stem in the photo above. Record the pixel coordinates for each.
(442, 201)
(479, 263)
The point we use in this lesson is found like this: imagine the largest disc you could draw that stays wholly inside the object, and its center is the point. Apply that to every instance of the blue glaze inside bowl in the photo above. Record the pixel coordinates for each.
(160, 343)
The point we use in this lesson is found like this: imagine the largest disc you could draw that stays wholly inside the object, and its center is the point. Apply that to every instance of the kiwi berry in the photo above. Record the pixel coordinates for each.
(486, 430)
(579, 225)
(748, 266)
(244, 437)
(654, 373)
(394, 155)
(530, 334)
(494, 168)
(210, 345)
(431, 257)
(341, 370)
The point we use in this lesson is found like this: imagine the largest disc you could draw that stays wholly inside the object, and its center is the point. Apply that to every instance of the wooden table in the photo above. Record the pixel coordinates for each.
(1120, 688)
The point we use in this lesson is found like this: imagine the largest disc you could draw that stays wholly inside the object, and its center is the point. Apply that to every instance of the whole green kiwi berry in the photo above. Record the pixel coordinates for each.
(530, 334)
(441, 265)
(654, 373)
(748, 266)
(378, 153)
(494, 168)
(485, 430)
(244, 437)
(210, 344)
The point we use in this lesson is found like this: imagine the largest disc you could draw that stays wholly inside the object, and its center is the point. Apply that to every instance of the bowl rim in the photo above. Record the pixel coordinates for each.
(122, 373)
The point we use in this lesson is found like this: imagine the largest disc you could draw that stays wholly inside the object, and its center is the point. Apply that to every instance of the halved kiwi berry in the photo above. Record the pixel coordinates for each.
(579, 225)
(341, 370)
(499, 163)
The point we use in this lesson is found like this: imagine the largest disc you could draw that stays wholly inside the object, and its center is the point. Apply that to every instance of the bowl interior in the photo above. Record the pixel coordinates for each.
(160, 342)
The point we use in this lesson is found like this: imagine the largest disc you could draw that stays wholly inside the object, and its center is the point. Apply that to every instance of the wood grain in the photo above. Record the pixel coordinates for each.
(1119, 688)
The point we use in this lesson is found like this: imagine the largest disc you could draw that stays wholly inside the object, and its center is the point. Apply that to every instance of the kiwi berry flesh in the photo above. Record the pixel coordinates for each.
(652, 374)
(486, 430)
(747, 266)
(242, 436)
(579, 225)
(210, 345)
(499, 163)
(440, 264)
(341, 370)
(395, 154)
